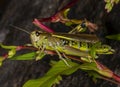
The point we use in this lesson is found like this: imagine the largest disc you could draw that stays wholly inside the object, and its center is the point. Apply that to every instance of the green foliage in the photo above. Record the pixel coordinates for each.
(7, 47)
(12, 50)
(97, 68)
(66, 12)
(114, 37)
(27, 56)
(53, 76)
(110, 3)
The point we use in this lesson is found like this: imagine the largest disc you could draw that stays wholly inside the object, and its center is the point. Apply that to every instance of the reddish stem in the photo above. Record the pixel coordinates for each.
(25, 47)
(42, 26)
(5, 56)
(116, 77)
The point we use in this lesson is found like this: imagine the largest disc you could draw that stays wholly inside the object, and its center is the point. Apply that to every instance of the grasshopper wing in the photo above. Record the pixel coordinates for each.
(77, 37)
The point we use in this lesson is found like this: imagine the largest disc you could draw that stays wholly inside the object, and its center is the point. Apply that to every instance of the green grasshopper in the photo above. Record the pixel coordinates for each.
(68, 44)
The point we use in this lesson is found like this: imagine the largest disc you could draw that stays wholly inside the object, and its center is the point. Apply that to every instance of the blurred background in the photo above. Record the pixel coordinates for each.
(21, 13)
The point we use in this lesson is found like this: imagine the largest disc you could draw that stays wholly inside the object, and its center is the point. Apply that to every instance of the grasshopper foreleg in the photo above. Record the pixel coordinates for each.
(40, 52)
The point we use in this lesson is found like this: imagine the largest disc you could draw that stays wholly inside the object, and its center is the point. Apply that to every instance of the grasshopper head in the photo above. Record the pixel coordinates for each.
(36, 37)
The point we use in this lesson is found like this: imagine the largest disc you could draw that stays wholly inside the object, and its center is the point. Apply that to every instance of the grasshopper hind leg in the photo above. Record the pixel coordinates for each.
(60, 56)
(52, 43)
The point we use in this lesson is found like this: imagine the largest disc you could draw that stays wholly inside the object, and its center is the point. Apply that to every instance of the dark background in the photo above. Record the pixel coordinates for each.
(22, 12)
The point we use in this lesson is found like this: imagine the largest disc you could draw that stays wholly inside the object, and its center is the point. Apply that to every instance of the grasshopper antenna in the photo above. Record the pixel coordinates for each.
(19, 28)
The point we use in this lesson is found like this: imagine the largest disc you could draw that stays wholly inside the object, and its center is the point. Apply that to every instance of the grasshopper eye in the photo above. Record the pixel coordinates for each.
(37, 33)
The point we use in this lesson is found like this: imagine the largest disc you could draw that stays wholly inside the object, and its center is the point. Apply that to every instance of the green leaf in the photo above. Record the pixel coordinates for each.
(7, 47)
(66, 12)
(45, 81)
(53, 76)
(52, 62)
(69, 23)
(89, 66)
(63, 69)
(11, 53)
(110, 3)
(94, 67)
(109, 7)
(27, 56)
(114, 37)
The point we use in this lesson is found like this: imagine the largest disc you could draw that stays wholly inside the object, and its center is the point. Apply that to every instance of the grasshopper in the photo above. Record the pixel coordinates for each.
(68, 44)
